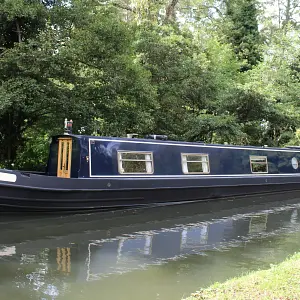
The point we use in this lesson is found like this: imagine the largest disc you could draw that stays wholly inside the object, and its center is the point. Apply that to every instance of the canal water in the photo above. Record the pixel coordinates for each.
(157, 253)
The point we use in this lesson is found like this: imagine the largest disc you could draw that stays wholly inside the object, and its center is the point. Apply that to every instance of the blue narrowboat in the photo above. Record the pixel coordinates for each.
(94, 173)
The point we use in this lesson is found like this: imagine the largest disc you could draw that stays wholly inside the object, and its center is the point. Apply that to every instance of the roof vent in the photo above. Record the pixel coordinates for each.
(156, 137)
(131, 135)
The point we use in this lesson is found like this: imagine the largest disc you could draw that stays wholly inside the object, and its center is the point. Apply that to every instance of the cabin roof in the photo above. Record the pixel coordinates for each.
(80, 137)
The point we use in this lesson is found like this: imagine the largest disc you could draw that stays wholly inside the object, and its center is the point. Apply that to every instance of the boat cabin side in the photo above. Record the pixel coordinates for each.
(95, 157)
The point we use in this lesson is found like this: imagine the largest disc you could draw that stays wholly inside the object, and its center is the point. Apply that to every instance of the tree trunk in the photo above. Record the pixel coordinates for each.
(288, 12)
(279, 14)
(18, 31)
(170, 10)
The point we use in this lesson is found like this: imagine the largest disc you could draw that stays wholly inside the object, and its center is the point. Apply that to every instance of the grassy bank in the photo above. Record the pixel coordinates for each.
(280, 282)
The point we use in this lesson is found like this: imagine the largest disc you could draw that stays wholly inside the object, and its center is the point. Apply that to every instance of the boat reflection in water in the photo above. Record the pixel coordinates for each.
(136, 251)
(43, 256)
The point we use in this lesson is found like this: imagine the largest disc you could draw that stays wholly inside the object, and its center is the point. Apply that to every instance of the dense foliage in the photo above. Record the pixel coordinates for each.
(210, 70)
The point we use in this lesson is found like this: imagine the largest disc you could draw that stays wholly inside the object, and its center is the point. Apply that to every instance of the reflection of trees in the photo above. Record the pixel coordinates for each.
(36, 277)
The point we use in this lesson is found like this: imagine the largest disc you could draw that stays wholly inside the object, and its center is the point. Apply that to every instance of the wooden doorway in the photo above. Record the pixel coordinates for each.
(64, 157)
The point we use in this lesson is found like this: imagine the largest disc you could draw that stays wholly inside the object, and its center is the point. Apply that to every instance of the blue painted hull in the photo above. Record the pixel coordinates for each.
(41, 193)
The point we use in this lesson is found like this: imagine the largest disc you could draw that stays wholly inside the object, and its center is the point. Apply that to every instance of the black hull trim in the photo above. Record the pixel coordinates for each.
(20, 199)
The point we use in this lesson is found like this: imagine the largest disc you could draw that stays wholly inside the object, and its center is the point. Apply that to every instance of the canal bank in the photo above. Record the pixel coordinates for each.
(279, 282)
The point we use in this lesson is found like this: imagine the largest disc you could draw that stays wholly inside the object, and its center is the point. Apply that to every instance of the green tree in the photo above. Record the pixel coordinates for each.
(242, 31)
(114, 90)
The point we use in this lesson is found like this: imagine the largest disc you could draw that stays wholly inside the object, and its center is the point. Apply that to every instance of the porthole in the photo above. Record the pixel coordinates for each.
(295, 163)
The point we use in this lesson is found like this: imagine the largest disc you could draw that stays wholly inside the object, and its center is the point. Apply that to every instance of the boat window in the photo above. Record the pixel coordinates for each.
(259, 164)
(135, 162)
(195, 163)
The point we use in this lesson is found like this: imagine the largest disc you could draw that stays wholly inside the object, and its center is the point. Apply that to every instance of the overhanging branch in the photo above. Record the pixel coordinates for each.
(122, 6)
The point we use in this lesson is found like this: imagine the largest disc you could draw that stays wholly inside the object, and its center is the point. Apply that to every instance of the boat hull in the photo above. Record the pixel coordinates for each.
(37, 193)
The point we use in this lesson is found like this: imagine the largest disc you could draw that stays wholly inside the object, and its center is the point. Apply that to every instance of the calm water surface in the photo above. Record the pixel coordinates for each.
(157, 253)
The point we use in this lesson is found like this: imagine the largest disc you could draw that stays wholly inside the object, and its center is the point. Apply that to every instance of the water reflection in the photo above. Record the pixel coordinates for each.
(44, 257)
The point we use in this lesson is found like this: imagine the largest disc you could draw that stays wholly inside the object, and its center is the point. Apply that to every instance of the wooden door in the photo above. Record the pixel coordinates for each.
(64, 157)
